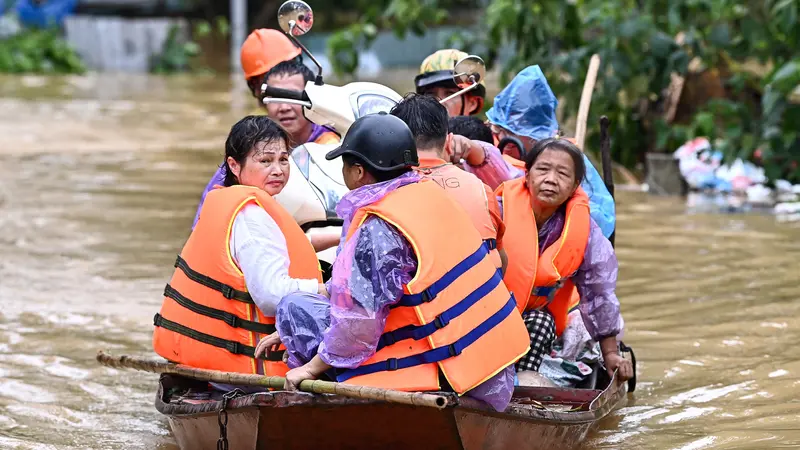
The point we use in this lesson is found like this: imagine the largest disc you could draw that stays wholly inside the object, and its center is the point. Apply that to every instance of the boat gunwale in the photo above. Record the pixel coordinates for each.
(606, 401)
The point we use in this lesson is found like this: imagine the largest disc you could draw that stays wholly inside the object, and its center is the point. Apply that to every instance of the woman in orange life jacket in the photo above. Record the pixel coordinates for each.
(244, 255)
(548, 211)
(416, 302)
(268, 56)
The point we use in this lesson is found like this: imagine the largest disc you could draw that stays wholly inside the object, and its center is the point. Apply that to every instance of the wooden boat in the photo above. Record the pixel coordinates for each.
(538, 417)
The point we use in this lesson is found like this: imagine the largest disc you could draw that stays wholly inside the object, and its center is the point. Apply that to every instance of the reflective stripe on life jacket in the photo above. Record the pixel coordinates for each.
(208, 319)
(469, 192)
(536, 280)
(456, 314)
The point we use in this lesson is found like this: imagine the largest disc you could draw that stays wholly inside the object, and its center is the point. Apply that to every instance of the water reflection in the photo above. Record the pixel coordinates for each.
(99, 180)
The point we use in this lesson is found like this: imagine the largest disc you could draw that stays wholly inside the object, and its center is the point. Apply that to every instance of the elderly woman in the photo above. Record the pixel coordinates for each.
(526, 110)
(553, 245)
(244, 255)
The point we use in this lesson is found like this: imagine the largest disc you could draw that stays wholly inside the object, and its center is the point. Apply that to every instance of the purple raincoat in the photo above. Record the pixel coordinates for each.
(368, 277)
(595, 279)
(219, 176)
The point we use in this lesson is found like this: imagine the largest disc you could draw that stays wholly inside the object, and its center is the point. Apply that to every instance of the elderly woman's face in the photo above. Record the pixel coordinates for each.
(266, 166)
(551, 180)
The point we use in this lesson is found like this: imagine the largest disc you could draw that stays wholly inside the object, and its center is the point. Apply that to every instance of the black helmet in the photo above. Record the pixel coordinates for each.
(381, 141)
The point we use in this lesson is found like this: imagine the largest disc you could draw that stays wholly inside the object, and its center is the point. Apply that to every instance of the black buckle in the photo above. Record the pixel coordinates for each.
(453, 350)
(232, 320)
(491, 244)
(177, 261)
(440, 322)
(426, 296)
(389, 339)
(227, 291)
(157, 320)
(391, 364)
(234, 347)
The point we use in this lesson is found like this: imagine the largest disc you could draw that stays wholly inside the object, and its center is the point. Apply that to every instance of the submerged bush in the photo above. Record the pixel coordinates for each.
(38, 51)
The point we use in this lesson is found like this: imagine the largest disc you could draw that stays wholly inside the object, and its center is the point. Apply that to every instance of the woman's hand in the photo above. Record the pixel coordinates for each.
(322, 290)
(270, 342)
(613, 360)
(616, 362)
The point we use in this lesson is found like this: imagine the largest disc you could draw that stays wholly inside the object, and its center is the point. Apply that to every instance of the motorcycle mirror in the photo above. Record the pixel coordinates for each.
(469, 71)
(295, 17)
(467, 74)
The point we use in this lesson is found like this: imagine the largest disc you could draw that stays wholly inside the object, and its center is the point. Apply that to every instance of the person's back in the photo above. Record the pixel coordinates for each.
(428, 122)
(414, 294)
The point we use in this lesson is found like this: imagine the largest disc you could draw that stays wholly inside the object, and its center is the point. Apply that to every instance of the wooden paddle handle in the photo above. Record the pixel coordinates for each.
(586, 100)
(313, 386)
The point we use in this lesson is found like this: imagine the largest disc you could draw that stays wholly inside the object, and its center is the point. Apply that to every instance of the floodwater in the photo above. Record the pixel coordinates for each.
(99, 180)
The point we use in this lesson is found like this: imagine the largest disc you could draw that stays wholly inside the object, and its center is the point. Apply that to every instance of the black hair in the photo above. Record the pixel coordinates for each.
(292, 67)
(379, 175)
(470, 127)
(425, 117)
(244, 136)
(562, 145)
(286, 68)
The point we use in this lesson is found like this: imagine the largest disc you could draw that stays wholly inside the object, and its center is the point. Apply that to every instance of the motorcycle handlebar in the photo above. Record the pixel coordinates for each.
(285, 93)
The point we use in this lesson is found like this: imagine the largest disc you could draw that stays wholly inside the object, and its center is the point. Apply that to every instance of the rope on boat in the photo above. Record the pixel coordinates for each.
(313, 386)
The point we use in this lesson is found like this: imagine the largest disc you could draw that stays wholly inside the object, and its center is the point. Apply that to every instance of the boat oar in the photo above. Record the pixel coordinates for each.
(314, 386)
(605, 154)
(586, 100)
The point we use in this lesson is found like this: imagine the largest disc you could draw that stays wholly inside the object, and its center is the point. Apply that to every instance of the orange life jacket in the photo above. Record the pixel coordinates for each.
(208, 320)
(456, 314)
(469, 192)
(328, 137)
(514, 162)
(539, 281)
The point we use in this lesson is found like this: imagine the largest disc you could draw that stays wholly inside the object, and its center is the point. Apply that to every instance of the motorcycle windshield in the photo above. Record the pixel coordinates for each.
(328, 189)
(366, 104)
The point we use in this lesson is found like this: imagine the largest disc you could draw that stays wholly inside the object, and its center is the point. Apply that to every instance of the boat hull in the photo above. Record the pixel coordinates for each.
(291, 420)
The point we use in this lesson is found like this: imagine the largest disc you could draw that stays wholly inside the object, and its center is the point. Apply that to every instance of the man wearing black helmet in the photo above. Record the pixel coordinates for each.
(414, 293)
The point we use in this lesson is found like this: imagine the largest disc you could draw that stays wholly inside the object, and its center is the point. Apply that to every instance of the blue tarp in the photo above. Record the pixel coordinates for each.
(48, 13)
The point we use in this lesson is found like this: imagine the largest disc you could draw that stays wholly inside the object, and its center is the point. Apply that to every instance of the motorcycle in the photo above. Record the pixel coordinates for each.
(312, 197)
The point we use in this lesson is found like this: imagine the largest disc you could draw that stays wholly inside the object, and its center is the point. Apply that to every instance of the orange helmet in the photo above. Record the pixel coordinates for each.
(265, 49)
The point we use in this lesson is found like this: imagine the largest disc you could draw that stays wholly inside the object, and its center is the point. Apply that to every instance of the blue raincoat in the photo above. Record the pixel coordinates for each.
(527, 107)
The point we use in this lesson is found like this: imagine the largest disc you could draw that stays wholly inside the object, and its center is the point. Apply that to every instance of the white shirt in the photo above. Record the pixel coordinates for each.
(259, 249)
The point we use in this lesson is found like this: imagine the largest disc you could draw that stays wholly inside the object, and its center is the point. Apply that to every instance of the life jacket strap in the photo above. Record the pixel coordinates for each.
(234, 347)
(227, 291)
(442, 283)
(437, 354)
(491, 244)
(231, 319)
(418, 332)
(547, 291)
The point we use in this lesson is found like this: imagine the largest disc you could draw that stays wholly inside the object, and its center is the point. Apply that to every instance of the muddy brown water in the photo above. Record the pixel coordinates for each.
(99, 180)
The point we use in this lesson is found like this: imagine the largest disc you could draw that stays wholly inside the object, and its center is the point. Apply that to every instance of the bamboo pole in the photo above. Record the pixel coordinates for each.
(586, 100)
(313, 386)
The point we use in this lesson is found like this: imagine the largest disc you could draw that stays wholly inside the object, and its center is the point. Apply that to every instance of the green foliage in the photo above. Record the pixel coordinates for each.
(38, 51)
(180, 54)
(638, 46)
